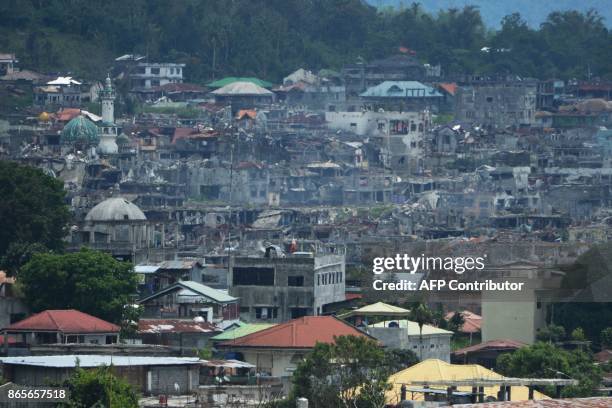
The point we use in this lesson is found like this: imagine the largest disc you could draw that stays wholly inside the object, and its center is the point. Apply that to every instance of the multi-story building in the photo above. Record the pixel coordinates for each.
(498, 103)
(147, 75)
(277, 289)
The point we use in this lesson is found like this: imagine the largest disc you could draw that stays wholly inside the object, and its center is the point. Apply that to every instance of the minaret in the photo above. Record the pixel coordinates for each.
(108, 129)
(107, 96)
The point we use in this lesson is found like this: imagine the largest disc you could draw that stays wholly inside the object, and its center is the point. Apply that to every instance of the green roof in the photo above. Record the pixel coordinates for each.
(81, 130)
(230, 80)
(244, 329)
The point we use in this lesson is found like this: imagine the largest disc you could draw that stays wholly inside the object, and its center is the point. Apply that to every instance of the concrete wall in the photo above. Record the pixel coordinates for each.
(277, 363)
(309, 298)
(432, 346)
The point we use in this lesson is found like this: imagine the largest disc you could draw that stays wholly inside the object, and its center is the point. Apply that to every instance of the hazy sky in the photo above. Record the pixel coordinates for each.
(533, 11)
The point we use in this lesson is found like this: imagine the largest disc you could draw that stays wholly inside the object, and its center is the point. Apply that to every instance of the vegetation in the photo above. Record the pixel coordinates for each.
(606, 337)
(353, 372)
(270, 38)
(99, 387)
(33, 214)
(543, 360)
(90, 281)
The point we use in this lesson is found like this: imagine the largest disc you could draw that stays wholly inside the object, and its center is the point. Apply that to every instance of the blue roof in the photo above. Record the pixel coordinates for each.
(401, 89)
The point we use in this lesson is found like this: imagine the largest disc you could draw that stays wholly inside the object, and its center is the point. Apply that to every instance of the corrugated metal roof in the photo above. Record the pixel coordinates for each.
(229, 80)
(244, 330)
(196, 289)
(491, 345)
(592, 402)
(412, 328)
(303, 332)
(64, 321)
(401, 89)
(242, 88)
(94, 360)
(378, 309)
(175, 326)
(438, 370)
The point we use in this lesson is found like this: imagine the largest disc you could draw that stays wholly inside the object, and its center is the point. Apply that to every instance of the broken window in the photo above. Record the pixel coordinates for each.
(295, 281)
(255, 276)
(265, 313)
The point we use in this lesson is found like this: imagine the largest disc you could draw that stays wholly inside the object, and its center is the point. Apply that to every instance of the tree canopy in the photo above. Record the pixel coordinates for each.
(99, 387)
(270, 38)
(90, 281)
(352, 372)
(33, 213)
(543, 360)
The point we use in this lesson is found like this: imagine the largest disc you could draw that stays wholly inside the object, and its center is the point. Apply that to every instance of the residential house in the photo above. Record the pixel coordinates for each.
(188, 299)
(277, 351)
(485, 353)
(184, 335)
(402, 96)
(61, 326)
(243, 95)
(148, 375)
(59, 92)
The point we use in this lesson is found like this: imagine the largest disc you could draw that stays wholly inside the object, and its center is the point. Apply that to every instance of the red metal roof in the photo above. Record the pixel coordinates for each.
(64, 321)
(491, 345)
(303, 332)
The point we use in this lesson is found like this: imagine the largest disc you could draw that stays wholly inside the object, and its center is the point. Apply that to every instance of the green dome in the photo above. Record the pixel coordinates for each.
(80, 130)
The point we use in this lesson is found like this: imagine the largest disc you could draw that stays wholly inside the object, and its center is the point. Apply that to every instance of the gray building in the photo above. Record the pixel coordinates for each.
(406, 335)
(277, 289)
(148, 375)
(499, 103)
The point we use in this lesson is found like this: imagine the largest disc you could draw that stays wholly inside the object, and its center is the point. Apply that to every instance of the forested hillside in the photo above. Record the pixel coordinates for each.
(270, 38)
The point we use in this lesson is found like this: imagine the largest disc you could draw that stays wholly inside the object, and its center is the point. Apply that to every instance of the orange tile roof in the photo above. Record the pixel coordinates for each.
(64, 321)
(471, 321)
(303, 332)
(450, 88)
(250, 113)
(67, 114)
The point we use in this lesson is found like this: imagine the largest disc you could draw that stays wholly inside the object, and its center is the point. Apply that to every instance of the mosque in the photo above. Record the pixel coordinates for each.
(83, 133)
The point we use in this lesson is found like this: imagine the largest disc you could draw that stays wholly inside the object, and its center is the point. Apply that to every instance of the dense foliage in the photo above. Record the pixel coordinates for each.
(353, 372)
(543, 360)
(90, 281)
(270, 38)
(99, 387)
(33, 213)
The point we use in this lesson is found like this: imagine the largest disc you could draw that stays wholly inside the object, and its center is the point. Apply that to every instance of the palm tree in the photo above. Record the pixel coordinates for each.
(422, 315)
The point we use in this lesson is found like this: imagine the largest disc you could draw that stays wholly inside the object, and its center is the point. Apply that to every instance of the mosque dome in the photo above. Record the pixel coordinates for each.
(80, 130)
(115, 209)
(44, 117)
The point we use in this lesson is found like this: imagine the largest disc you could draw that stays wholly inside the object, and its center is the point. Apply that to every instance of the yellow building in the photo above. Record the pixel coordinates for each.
(437, 370)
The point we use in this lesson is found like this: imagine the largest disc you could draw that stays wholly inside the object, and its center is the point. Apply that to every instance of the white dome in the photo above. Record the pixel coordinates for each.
(115, 209)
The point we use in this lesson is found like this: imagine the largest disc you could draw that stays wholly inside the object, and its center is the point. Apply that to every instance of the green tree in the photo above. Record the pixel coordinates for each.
(551, 333)
(422, 315)
(578, 334)
(350, 372)
(32, 211)
(606, 337)
(543, 360)
(90, 281)
(99, 387)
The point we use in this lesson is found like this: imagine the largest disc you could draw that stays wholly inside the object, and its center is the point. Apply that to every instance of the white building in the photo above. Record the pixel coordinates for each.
(152, 74)
(399, 134)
